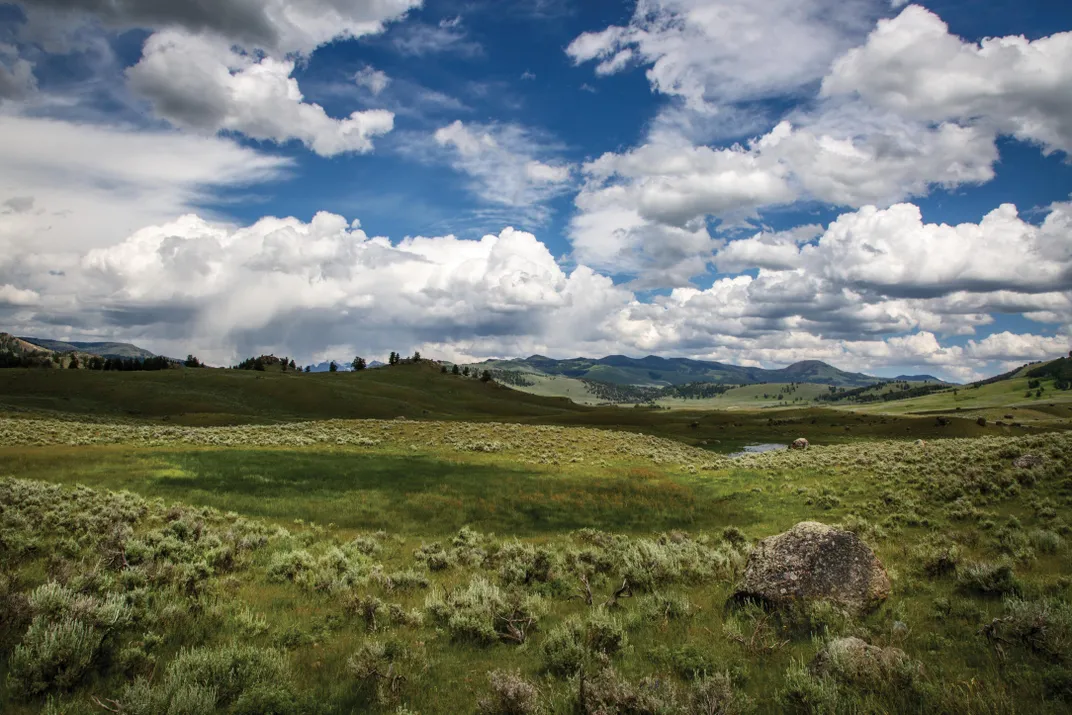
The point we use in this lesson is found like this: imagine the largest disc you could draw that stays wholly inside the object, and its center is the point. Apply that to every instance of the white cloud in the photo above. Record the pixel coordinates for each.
(669, 184)
(298, 288)
(372, 79)
(199, 83)
(74, 186)
(731, 51)
(507, 165)
(273, 25)
(894, 253)
(230, 289)
(912, 65)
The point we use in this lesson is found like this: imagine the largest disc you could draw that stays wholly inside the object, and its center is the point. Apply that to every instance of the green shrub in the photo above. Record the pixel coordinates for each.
(604, 633)
(989, 579)
(687, 661)
(510, 694)
(661, 606)
(229, 671)
(1044, 626)
(939, 560)
(383, 666)
(1045, 541)
(484, 613)
(715, 695)
(53, 654)
(562, 652)
(142, 698)
(804, 693)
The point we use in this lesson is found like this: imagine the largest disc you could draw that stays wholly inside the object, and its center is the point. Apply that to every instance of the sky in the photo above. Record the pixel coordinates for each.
(883, 186)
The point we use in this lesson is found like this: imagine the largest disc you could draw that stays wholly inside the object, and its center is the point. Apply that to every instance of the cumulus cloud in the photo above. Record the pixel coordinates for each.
(275, 25)
(912, 108)
(310, 288)
(731, 51)
(913, 66)
(668, 184)
(507, 164)
(234, 288)
(202, 84)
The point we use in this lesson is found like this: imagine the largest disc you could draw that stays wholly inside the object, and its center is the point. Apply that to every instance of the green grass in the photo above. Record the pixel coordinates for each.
(415, 495)
(421, 392)
(901, 498)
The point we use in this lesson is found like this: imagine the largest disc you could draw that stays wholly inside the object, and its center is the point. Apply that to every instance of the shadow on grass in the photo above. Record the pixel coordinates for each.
(405, 495)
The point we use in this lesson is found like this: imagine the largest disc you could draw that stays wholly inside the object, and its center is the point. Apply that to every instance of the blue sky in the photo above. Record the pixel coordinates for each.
(882, 186)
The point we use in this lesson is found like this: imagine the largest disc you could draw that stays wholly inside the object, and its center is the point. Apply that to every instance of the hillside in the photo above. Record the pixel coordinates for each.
(234, 397)
(661, 372)
(105, 349)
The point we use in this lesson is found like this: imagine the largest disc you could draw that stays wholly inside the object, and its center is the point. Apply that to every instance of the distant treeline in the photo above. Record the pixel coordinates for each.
(639, 394)
(512, 377)
(260, 363)
(870, 393)
(92, 362)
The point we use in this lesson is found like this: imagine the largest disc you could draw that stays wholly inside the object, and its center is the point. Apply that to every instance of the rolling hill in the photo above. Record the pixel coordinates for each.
(105, 349)
(661, 372)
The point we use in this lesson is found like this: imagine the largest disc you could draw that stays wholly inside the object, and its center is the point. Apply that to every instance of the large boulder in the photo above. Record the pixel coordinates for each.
(799, 443)
(815, 562)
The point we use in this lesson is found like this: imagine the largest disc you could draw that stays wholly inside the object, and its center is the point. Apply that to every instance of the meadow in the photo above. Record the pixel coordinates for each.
(448, 566)
(206, 397)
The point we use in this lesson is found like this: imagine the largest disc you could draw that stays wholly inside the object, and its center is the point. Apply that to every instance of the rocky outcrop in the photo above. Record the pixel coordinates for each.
(1027, 461)
(815, 562)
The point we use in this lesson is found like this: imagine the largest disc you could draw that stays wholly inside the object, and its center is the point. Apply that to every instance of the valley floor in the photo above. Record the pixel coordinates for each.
(447, 567)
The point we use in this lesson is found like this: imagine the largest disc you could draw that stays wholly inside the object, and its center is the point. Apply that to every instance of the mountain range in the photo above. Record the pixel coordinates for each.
(658, 371)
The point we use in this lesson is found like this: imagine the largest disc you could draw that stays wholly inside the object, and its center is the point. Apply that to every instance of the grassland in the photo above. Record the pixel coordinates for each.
(440, 567)
(421, 392)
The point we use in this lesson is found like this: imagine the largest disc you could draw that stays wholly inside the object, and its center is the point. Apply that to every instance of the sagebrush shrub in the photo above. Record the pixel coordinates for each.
(53, 654)
(562, 651)
(989, 579)
(510, 694)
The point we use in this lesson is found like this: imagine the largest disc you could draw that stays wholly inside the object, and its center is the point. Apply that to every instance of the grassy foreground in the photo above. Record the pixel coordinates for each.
(394, 566)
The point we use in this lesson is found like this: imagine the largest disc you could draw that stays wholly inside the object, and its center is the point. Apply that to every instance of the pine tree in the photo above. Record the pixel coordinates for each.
(333, 367)
(416, 356)
(456, 370)
(358, 364)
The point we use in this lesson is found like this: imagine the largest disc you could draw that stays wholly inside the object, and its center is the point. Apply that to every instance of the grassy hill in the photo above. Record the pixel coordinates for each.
(658, 371)
(233, 397)
(103, 349)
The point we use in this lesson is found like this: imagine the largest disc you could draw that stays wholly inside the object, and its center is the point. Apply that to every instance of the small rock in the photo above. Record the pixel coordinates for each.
(799, 443)
(981, 422)
(1027, 461)
(920, 443)
(815, 562)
